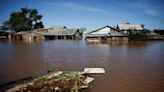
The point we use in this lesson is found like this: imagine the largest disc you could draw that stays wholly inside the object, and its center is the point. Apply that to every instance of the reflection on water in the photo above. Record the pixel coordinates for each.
(111, 42)
(131, 67)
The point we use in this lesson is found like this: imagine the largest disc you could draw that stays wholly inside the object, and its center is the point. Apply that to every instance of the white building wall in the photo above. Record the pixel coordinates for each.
(116, 33)
(105, 30)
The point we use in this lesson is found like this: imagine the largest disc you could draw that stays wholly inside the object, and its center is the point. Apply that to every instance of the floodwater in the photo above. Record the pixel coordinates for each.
(130, 67)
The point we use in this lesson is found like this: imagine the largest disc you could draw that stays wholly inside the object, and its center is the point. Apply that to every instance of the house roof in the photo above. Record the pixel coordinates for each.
(28, 32)
(130, 26)
(57, 27)
(114, 32)
(23, 32)
(61, 32)
(153, 34)
(101, 28)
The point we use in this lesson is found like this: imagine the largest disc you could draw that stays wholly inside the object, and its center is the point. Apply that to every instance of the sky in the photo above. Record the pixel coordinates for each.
(91, 14)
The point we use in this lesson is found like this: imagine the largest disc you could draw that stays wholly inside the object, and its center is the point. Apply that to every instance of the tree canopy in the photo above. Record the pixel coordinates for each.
(38, 25)
(23, 20)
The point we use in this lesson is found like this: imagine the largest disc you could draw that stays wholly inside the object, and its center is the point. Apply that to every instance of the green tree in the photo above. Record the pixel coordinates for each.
(138, 34)
(38, 25)
(23, 20)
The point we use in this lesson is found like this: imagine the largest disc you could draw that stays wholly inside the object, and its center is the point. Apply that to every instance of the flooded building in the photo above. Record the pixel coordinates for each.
(27, 36)
(3, 33)
(50, 33)
(105, 33)
(154, 36)
(62, 32)
(159, 31)
(127, 27)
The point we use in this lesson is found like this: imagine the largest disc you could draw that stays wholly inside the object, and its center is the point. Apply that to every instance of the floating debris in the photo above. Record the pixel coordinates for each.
(59, 82)
(94, 70)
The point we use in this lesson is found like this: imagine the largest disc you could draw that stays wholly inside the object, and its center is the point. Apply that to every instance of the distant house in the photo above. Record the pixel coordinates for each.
(50, 33)
(154, 36)
(127, 27)
(62, 32)
(3, 33)
(159, 31)
(105, 33)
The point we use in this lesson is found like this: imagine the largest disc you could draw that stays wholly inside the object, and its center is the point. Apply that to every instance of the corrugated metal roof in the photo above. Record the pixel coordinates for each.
(23, 32)
(61, 32)
(57, 27)
(28, 32)
(97, 35)
(130, 26)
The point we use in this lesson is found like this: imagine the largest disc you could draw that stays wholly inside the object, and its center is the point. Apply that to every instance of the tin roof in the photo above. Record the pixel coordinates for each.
(60, 31)
(130, 26)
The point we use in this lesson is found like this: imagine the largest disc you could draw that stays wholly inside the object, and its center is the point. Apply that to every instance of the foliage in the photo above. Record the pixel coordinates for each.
(137, 35)
(38, 25)
(22, 20)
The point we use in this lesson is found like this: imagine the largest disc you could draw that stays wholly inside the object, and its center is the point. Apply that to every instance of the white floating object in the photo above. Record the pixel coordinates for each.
(58, 73)
(94, 70)
(57, 88)
(85, 86)
(89, 80)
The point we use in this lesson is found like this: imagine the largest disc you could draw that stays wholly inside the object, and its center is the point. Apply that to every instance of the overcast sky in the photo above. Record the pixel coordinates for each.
(91, 13)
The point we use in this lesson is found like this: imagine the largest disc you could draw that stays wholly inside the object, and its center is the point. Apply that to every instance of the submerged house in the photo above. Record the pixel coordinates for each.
(154, 36)
(106, 33)
(62, 33)
(50, 33)
(127, 27)
(3, 33)
(27, 35)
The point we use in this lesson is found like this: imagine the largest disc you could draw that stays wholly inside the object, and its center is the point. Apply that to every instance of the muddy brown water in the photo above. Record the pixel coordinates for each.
(130, 67)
